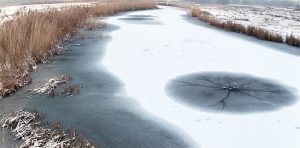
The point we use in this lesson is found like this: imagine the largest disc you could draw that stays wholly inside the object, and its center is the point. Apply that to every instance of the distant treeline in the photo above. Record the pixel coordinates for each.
(289, 3)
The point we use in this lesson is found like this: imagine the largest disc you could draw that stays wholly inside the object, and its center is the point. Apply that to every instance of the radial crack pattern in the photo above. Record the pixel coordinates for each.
(222, 101)
(230, 92)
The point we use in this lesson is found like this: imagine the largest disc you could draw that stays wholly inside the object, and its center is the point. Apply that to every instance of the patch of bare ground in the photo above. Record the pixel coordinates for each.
(33, 37)
(29, 127)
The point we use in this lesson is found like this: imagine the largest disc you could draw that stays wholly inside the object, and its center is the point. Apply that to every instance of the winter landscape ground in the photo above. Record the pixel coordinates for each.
(284, 21)
(136, 74)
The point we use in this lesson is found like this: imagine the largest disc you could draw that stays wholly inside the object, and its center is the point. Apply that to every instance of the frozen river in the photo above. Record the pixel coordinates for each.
(164, 79)
(152, 48)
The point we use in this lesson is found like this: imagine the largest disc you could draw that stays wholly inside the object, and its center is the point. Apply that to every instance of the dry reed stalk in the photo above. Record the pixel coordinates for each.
(292, 40)
(32, 37)
(258, 32)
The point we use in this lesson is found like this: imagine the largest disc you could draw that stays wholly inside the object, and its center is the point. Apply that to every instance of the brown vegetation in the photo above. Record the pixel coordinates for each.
(292, 40)
(179, 4)
(231, 26)
(32, 37)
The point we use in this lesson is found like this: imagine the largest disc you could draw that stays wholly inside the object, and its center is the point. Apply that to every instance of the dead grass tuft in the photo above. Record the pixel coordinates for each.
(30, 127)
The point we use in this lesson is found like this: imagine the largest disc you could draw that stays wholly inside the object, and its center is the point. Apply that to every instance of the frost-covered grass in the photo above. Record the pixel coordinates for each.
(57, 86)
(267, 23)
(27, 126)
(33, 36)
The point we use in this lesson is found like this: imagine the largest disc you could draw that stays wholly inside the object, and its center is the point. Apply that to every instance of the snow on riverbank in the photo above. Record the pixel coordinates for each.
(7, 13)
(156, 53)
(284, 21)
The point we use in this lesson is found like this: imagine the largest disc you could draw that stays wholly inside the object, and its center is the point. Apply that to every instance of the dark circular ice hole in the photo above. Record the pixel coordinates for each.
(138, 18)
(137, 15)
(230, 92)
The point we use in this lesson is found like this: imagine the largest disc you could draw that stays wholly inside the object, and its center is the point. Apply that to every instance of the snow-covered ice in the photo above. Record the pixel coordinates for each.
(145, 56)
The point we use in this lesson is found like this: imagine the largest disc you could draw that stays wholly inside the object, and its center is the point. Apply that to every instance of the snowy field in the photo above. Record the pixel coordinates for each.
(284, 21)
(7, 12)
(165, 44)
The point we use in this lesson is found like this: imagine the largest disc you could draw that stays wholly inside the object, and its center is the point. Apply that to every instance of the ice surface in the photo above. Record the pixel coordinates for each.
(153, 55)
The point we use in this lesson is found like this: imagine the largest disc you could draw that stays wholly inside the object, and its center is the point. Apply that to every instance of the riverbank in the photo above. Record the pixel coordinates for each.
(102, 112)
(267, 23)
(30, 127)
(276, 24)
(34, 46)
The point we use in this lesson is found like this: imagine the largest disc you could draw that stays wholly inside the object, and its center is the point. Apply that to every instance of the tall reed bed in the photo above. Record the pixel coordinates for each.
(180, 4)
(32, 37)
(258, 32)
(292, 40)
(231, 26)
(248, 30)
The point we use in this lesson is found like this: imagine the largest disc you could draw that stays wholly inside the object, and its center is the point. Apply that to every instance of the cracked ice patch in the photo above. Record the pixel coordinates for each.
(217, 91)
